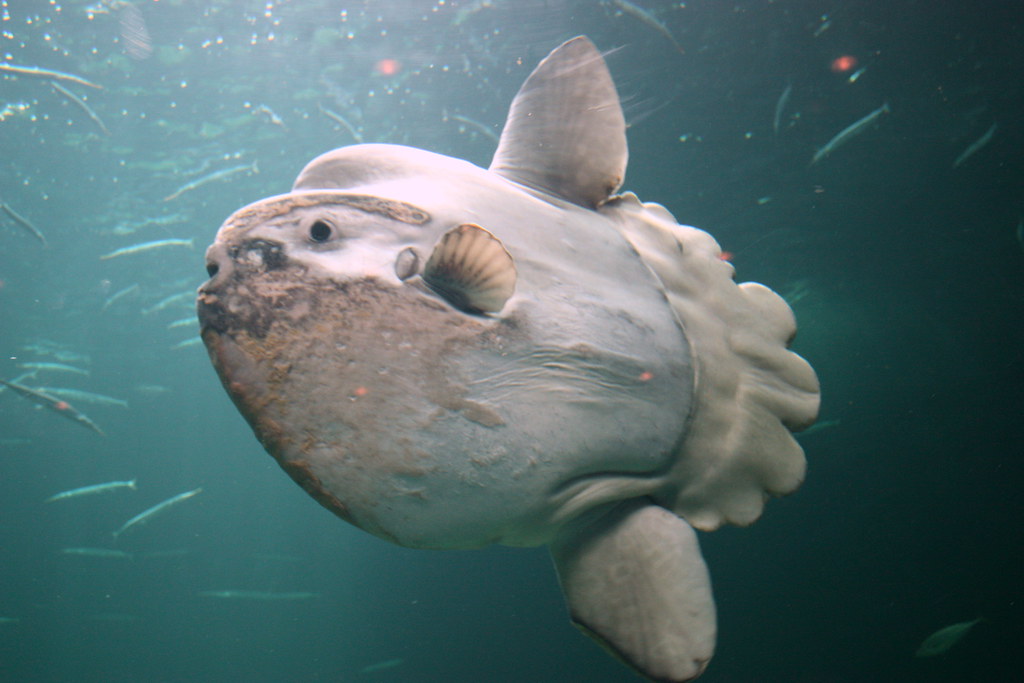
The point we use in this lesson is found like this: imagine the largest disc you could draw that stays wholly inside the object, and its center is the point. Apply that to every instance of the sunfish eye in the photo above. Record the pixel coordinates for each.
(319, 232)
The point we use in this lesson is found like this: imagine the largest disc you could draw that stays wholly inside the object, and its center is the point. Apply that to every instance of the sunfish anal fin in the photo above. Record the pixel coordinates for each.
(565, 133)
(471, 269)
(635, 581)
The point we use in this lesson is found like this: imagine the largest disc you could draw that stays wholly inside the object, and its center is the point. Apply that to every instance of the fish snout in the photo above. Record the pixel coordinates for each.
(219, 267)
(226, 261)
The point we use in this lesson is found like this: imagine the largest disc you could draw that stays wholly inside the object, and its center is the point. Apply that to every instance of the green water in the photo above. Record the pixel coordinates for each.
(906, 276)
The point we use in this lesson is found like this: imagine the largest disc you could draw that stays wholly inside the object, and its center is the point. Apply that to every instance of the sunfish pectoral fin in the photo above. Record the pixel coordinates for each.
(635, 581)
(471, 269)
(565, 133)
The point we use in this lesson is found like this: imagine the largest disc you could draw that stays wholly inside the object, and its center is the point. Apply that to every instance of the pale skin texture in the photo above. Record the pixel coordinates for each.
(448, 357)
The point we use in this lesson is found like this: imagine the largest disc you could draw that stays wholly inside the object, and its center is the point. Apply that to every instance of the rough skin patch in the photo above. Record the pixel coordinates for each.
(308, 362)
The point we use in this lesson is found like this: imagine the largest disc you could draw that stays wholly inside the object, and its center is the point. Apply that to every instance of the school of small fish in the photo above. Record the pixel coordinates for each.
(53, 379)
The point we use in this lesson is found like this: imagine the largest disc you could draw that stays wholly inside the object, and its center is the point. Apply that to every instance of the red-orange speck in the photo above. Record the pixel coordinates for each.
(61, 405)
(360, 391)
(841, 65)
(726, 256)
(646, 376)
(388, 67)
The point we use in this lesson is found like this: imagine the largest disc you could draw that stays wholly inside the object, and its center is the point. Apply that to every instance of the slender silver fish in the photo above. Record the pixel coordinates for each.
(146, 515)
(23, 222)
(86, 397)
(945, 638)
(270, 114)
(170, 300)
(148, 246)
(185, 343)
(852, 130)
(191, 321)
(92, 490)
(645, 17)
(482, 127)
(18, 380)
(381, 666)
(45, 347)
(36, 366)
(129, 228)
(53, 403)
(780, 106)
(39, 72)
(82, 104)
(259, 595)
(119, 295)
(209, 178)
(819, 426)
(976, 145)
(108, 553)
(342, 121)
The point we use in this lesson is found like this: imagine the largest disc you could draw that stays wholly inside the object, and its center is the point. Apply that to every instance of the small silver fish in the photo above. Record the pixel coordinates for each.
(151, 389)
(148, 246)
(39, 72)
(852, 130)
(476, 125)
(342, 121)
(185, 343)
(23, 222)
(81, 104)
(118, 295)
(945, 638)
(37, 366)
(856, 74)
(92, 490)
(262, 596)
(270, 114)
(780, 106)
(190, 321)
(381, 666)
(58, 406)
(644, 16)
(819, 426)
(976, 145)
(147, 514)
(86, 397)
(185, 296)
(211, 177)
(107, 553)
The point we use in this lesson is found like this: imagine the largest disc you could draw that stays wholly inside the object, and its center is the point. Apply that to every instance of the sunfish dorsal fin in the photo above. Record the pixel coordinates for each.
(565, 132)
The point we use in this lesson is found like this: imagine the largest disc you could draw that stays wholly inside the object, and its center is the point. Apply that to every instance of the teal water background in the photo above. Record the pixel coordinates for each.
(906, 275)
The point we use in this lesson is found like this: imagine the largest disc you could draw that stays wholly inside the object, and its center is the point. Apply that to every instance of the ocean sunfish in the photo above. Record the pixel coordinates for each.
(448, 356)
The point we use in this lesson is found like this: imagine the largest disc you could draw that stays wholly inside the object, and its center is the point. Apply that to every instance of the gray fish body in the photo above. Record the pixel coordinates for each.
(448, 356)
(453, 406)
(945, 638)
